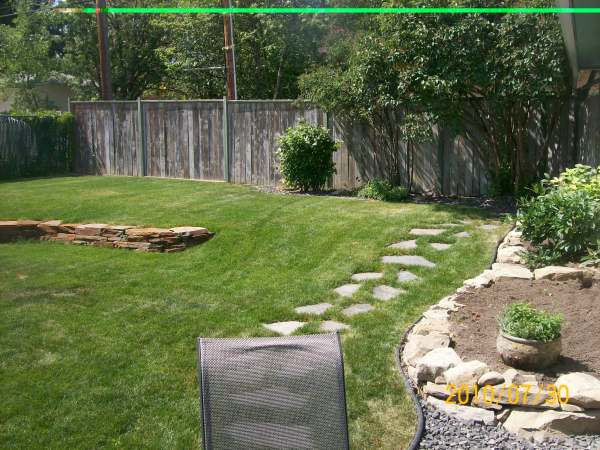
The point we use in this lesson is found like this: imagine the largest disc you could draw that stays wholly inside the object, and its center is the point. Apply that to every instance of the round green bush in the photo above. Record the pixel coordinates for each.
(562, 224)
(305, 155)
(578, 178)
(523, 321)
(378, 189)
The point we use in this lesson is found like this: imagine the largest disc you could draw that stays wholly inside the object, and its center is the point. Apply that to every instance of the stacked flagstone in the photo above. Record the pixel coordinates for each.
(103, 235)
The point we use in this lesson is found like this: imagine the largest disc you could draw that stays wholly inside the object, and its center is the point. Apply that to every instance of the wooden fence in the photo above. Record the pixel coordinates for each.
(17, 146)
(35, 146)
(237, 141)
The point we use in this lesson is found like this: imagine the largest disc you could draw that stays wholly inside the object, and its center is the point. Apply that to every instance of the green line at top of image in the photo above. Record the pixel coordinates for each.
(341, 10)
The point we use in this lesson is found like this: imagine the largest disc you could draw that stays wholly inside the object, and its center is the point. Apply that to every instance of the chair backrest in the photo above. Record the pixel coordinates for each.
(273, 393)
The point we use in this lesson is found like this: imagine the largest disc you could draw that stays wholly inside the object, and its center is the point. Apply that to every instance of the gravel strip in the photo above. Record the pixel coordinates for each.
(443, 432)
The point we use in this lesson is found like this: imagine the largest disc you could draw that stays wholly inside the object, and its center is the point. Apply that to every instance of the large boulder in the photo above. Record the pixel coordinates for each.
(492, 378)
(515, 395)
(465, 413)
(419, 345)
(427, 326)
(485, 279)
(514, 238)
(465, 373)
(543, 425)
(502, 270)
(558, 273)
(510, 254)
(435, 363)
(584, 389)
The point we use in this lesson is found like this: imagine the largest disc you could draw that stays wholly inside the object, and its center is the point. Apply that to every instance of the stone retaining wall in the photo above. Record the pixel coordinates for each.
(159, 240)
(438, 371)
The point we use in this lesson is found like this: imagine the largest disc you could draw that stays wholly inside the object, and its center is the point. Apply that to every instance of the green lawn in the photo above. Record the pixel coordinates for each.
(97, 346)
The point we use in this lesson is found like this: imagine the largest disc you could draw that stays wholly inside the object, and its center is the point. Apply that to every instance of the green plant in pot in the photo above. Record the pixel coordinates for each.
(529, 338)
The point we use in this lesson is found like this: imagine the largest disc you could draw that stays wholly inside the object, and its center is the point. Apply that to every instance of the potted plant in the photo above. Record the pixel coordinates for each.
(528, 338)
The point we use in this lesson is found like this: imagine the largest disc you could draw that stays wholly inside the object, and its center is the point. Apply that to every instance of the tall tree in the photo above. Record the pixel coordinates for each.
(28, 53)
(489, 77)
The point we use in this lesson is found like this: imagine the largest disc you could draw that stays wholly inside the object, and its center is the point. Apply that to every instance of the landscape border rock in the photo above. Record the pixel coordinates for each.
(428, 373)
(158, 240)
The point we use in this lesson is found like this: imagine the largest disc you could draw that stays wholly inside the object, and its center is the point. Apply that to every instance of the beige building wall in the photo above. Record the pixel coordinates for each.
(56, 93)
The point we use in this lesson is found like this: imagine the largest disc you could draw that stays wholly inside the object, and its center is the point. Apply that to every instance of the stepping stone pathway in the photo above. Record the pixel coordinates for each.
(359, 308)
(285, 328)
(319, 308)
(386, 293)
(332, 326)
(440, 246)
(404, 245)
(426, 231)
(366, 276)
(488, 226)
(462, 234)
(406, 276)
(407, 260)
(347, 290)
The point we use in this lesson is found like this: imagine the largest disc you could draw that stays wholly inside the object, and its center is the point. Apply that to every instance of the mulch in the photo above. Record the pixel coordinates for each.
(475, 326)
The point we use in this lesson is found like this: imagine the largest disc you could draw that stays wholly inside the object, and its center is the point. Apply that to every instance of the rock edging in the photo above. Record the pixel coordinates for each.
(157, 240)
(433, 365)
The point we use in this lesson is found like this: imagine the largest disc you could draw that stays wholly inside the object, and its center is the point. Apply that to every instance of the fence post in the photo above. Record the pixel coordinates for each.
(68, 104)
(225, 121)
(141, 141)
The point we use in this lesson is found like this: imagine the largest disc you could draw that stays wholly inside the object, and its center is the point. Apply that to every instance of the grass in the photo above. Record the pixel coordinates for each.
(97, 346)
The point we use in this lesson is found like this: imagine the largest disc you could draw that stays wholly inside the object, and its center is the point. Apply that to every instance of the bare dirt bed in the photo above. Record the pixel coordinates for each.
(475, 326)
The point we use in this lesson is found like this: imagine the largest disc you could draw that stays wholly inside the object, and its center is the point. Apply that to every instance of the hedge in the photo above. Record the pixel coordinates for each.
(37, 144)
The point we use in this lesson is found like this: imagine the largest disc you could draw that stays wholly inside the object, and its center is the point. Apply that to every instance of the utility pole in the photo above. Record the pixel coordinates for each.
(229, 53)
(104, 60)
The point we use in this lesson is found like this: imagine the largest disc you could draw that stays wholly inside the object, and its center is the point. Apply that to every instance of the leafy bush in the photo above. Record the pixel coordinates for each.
(305, 154)
(523, 321)
(562, 224)
(578, 178)
(383, 190)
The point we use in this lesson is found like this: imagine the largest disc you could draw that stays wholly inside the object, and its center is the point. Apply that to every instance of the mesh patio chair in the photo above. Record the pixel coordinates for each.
(273, 393)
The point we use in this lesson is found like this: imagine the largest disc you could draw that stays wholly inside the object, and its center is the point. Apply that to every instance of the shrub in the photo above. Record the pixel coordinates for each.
(523, 321)
(383, 190)
(578, 178)
(305, 154)
(562, 224)
(54, 137)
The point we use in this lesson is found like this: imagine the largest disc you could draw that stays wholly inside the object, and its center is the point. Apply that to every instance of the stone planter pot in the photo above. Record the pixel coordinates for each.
(526, 353)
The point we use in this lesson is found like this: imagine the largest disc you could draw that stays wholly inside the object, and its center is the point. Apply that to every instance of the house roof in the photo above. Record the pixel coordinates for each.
(580, 32)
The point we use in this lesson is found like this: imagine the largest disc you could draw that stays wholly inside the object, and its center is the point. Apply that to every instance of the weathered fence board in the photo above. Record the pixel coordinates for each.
(185, 139)
(253, 132)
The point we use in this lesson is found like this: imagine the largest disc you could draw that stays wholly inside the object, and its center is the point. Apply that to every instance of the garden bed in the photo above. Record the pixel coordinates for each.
(475, 333)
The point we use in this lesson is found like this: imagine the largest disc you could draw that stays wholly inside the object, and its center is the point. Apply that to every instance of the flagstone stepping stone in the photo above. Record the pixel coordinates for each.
(332, 326)
(426, 231)
(347, 290)
(359, 308)
(488, 226)
(285, 328)
(440, 246)
(319, 308)
(407, 260)
(404, 245)
(462, 234)
(386, 293)
(405, 276)
(366, 276)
